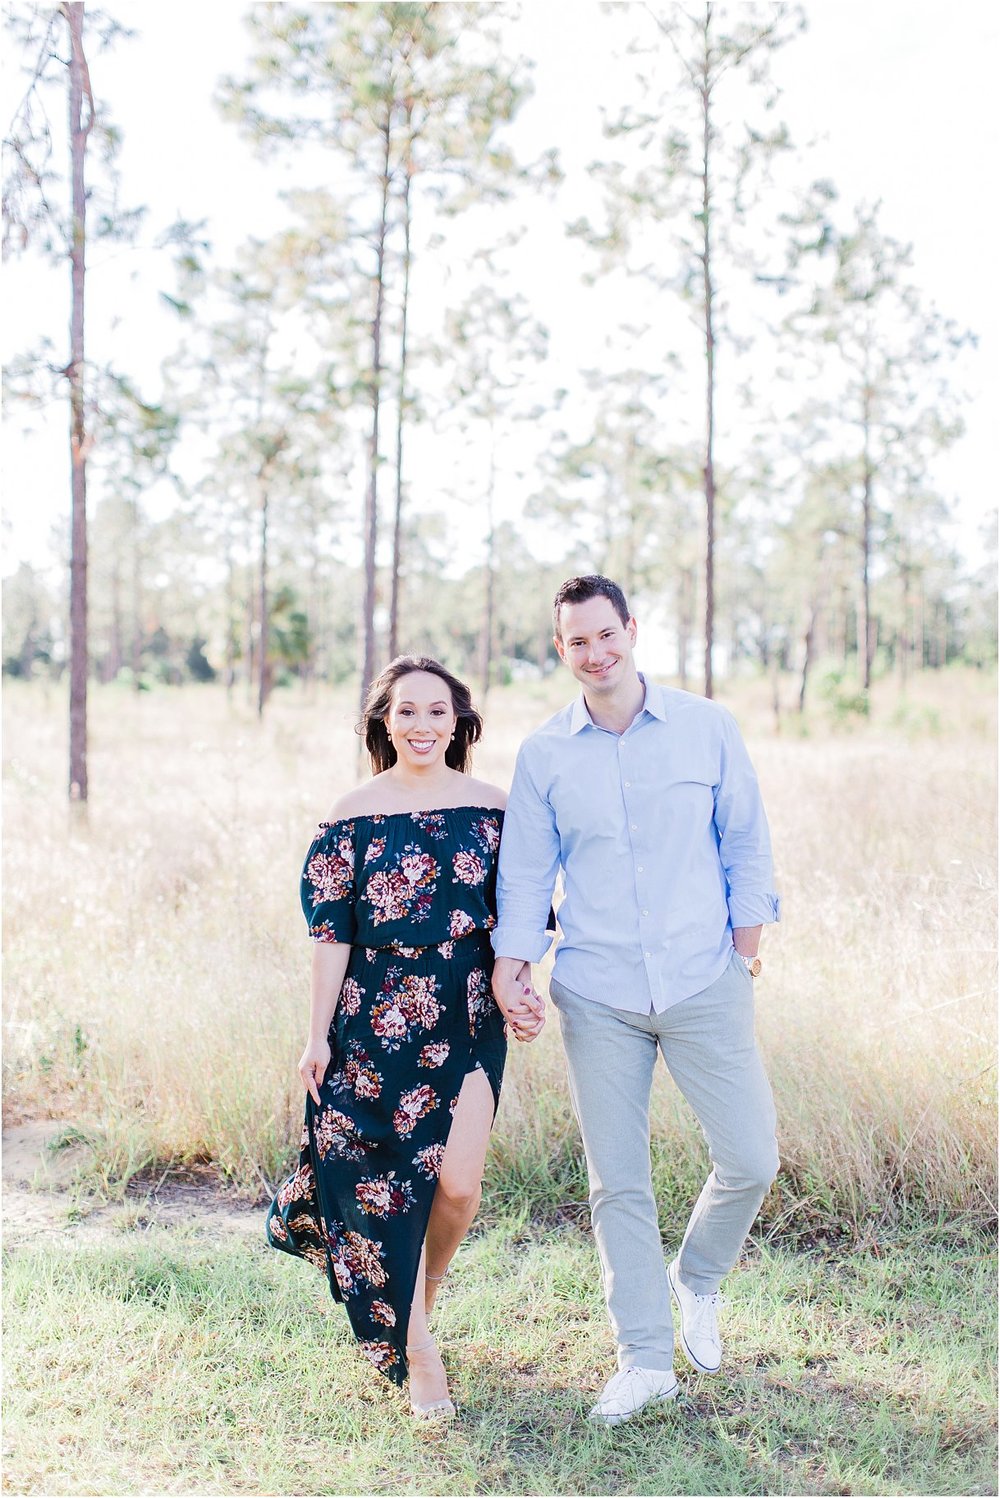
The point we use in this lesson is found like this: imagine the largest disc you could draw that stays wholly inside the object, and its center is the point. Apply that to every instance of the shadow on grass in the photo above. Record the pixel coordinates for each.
(159, 1362)
(746, 1434)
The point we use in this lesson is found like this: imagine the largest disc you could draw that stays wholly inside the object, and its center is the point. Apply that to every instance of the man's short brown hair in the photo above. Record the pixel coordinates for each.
(582, 589)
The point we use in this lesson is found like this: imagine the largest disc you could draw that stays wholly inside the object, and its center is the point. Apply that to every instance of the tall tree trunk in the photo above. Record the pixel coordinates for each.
(943, 631)
(371, 501)
(79, 85)
(904, 633)
(707, 295)
(136, 605)
(807, 659)
(489, 608)
(845, 625)
(230, 668)
(685, 615)
(250, 633)
(919, 629)
(397, 524)
(263, 673)
(865, 641)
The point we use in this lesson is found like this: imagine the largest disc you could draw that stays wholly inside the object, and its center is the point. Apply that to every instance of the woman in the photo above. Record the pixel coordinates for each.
(403, 1074)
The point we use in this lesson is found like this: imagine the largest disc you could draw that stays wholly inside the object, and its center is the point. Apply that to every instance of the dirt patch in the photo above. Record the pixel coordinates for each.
(39, 1201)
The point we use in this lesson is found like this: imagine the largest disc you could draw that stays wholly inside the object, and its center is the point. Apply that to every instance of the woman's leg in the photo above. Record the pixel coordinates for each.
(459, 1187)
(428, 1379)
(455, 1203)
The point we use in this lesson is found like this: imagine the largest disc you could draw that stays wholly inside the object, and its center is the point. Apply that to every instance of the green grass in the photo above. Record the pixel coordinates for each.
(154, 1007)
(173, 1361)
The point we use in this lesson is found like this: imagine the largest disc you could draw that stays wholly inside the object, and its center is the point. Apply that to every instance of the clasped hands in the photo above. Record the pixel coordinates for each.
(520, 1005)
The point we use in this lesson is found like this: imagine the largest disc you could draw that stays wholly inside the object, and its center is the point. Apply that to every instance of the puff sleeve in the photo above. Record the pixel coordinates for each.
(327, 889)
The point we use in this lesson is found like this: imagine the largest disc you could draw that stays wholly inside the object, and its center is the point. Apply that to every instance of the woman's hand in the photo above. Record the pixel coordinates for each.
(520, 1005)
(312, 1067)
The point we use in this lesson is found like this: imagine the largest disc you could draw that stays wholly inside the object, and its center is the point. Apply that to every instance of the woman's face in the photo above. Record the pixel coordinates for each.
(421, 720)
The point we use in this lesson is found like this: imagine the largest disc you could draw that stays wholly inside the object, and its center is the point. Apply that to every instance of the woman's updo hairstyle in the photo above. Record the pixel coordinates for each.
(468, 729)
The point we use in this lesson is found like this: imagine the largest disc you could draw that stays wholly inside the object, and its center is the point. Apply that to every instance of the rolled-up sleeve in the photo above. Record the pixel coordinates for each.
(744, 839)
(529, 865)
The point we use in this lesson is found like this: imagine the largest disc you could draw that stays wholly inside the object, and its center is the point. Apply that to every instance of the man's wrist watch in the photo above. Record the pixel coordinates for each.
(753, 964)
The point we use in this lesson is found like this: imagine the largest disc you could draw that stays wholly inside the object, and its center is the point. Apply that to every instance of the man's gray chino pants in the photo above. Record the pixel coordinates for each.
(708, 1045)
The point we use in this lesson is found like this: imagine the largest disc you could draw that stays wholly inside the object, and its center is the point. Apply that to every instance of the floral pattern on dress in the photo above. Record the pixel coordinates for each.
(313, 1254)
(409, 1005)
(412, 1106)
(351, 994)
(479, 997)
(323, 931)
(358, 1074)
(298, 1187)
(405, 892)
(413, 896)
(382, 1354)
(384, 1196)
(355, 1258)
(335, 1133)
(432, 822)
(468, 867)
(487, 831)
(429, 1160)
(383, 1313)
(332, 873)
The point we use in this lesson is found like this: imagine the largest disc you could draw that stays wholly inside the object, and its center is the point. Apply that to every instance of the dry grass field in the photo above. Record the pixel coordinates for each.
(155, 1006)
(156, 958)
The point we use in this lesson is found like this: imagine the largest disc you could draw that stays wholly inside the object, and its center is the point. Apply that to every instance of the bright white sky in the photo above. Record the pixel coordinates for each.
(892, 97)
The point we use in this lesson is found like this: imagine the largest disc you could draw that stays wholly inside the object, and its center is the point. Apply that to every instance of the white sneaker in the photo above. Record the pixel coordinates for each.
(699, 1325)
(630, 1390)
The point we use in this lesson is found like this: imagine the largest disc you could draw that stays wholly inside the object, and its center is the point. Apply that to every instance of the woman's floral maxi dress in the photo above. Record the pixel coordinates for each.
(414, 894)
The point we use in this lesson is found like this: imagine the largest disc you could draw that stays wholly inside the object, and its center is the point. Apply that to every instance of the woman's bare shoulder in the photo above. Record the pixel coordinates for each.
(482, 793)
(363, 801)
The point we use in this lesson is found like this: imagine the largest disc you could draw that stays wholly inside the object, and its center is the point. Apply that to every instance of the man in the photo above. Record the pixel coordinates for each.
(645, 798)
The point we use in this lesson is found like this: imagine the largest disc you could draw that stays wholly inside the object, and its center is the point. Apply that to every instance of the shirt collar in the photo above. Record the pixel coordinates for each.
(580, 715)
(652, 704)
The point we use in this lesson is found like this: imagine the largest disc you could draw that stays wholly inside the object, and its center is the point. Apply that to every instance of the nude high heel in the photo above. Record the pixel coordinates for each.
(437, 1409)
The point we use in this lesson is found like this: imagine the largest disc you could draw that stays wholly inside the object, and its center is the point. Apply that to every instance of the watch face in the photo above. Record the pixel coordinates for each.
(754, 965)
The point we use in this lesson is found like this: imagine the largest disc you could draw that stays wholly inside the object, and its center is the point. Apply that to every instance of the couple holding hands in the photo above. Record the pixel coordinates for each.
(428, 896)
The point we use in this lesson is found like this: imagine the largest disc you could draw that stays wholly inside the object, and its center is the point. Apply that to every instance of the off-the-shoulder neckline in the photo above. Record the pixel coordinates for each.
(385, 816)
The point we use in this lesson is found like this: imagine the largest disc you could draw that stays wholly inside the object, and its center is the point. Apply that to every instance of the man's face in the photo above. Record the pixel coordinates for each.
(596, 645)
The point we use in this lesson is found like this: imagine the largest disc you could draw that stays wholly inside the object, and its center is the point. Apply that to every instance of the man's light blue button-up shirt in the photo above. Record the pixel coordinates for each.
(662, 841)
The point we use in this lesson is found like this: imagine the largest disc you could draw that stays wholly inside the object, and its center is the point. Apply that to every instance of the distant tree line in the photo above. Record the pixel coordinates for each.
(754, 458)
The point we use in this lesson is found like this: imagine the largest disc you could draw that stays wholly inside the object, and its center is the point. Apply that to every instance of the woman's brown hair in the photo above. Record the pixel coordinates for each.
(468, 729)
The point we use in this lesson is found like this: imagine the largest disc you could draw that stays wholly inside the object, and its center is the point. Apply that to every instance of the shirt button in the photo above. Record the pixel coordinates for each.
(628, 784)
(645, 912)
(640, 868)
(635, 827)
(648, 954)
